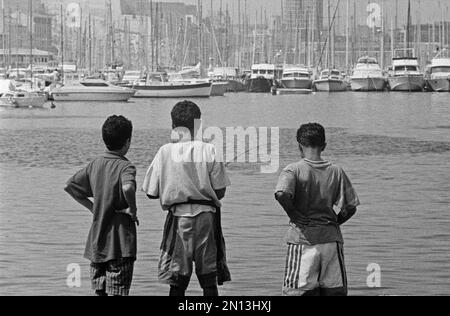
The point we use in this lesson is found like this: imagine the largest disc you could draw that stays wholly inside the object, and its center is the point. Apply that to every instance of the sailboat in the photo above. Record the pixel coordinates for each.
(330, 79)
(23, 98)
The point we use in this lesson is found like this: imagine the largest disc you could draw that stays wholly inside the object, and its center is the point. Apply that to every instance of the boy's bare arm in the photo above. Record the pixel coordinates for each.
(129, 192)
(286, 202)
(80, 198)
(346, 214)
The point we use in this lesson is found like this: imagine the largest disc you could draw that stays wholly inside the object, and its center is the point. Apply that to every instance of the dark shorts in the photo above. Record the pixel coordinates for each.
(114, 277)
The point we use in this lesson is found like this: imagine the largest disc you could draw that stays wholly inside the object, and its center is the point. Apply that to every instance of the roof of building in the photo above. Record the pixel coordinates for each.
(26, 52)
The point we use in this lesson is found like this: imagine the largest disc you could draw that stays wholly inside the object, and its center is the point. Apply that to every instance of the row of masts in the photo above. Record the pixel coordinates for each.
(214, 38)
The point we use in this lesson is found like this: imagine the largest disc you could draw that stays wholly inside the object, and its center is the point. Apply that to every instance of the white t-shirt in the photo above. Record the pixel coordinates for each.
(186, 171)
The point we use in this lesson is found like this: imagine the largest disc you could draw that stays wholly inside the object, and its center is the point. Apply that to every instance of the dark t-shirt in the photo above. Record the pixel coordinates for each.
(112, 236)
(316, 187)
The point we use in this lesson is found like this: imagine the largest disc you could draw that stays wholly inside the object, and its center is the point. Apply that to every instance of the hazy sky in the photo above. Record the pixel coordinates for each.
(429, 9)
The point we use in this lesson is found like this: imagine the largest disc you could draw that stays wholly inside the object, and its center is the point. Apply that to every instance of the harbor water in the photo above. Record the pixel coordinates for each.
(395, 147)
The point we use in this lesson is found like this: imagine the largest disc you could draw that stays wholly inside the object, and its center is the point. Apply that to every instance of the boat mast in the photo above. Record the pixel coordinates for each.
(347, 38)
(211, 35)
(408, 24)
(392, 38)
(30, 7)
(239, 37)
(329, 36)
(110, 18)
(90, 45)
(3, 37)
(200, 34)
(62, 44)
(152, 36)
(382, 35)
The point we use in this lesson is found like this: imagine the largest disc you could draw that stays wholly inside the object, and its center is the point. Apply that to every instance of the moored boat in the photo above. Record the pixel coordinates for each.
(92, 90)
(368, 76)
(157, 86)
(261, 79)
(439, 77)
(229, 75)
(11, 96)
(330, 80)
(405, 75)
(219, 88)
(296, 77)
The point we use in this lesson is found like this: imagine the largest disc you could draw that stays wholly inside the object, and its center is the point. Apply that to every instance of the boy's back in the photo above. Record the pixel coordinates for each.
(316, 187)
(308, 191)
(111, 181)
(112, 235)
(185, 171)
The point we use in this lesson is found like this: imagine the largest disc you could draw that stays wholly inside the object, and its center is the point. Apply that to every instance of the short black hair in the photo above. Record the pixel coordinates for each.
(184, 114)
(311, 135)
(116, 131)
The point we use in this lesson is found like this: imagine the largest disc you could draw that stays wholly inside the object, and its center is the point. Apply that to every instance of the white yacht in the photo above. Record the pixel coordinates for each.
(439, 78)
(331, 80)
(92, 90)
(368, 76)
(157, 85)
(296, 77)
(405, 74)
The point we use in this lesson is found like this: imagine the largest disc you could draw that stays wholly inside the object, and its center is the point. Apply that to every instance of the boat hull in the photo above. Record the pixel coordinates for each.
(219, 89)
(368, 84)
(406, 83)
(259, 85)
(330, 85)
(25, 102)
(235, 86)
(440, 85)
(92, 96)
(284, 91)
(296, 83)
(202, 90)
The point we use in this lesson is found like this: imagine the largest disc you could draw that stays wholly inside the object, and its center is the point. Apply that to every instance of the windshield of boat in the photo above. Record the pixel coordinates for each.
(296, 75)
(335, 73)
(94, 84)
(440, 69)
(263, 72)
(132, 73)
(405, 68)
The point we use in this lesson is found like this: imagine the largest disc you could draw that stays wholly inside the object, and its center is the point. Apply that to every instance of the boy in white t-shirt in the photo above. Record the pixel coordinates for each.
(190, 181)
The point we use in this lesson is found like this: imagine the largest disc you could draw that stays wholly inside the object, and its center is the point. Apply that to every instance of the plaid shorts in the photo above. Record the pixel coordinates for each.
(114, 277)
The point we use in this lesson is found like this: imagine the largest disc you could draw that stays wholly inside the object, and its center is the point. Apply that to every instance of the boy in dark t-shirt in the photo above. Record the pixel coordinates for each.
(308, 191)
(111, 181)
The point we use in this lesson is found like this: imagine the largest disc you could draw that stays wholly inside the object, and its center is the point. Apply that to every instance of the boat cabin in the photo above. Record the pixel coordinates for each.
(296, 72)
(267, 71)
(331, 74)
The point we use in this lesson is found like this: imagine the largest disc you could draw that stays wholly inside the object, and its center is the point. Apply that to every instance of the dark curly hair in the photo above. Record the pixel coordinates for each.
(116, 131)
(311, 135)
(184, 114)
